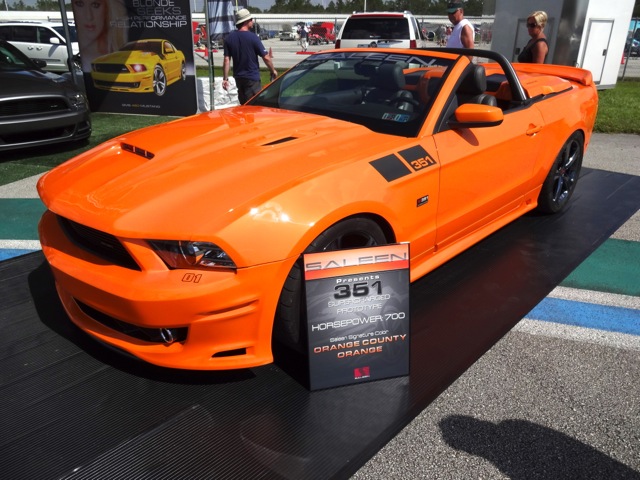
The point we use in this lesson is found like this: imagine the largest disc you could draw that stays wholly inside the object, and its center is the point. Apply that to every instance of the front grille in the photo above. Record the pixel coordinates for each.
(110, 68)
(31, 106)
(103, 84)
(101, 244)
(141, 333)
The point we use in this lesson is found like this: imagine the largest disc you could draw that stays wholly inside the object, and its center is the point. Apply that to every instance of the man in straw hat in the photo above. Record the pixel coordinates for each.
(244, 47)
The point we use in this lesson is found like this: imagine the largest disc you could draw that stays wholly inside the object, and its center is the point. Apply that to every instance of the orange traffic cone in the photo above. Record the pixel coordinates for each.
(622, 61)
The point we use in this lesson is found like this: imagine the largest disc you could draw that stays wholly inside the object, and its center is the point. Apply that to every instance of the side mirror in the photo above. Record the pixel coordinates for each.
(39, 63)
(55, 41)
(471, 115)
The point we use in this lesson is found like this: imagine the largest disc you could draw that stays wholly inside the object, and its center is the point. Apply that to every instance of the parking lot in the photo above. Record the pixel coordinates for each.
(287, 53)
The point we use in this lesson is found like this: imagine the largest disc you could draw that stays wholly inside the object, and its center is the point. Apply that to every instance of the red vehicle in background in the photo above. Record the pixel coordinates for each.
(322, 33)
(199, 34)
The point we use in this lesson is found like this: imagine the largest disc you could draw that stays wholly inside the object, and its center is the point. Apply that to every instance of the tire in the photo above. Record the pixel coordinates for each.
(563, 176)
(291, 312)
(159, 81)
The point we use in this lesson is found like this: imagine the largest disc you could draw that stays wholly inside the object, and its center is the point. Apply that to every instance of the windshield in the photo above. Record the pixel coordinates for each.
(152, 47)
(11, 59)
(73, 33)
(386, 92)
(376, 27)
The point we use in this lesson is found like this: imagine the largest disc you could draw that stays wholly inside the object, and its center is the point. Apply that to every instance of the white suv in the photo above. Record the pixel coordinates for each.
(381, 29)
(41, 41)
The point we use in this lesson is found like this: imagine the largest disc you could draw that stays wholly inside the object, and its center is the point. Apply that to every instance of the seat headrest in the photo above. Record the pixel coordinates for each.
(390, 76)
(365, 69)
(475, 81)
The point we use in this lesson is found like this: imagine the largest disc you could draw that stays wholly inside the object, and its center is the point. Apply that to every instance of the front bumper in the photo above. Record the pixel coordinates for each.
(227, 316)
(124, 82)
(39, 129)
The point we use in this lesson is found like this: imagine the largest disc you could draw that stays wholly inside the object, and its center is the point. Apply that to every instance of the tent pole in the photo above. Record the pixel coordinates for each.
(67, 36)
(210, 57)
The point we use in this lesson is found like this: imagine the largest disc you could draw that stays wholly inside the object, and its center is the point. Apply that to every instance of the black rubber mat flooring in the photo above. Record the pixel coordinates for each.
(72, 408)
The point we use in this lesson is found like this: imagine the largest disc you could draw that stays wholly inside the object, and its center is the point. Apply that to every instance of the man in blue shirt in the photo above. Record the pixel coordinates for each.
(244, 47)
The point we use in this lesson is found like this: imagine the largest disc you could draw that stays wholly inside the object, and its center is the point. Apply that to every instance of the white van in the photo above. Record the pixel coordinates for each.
(41, 41)
(381, 29)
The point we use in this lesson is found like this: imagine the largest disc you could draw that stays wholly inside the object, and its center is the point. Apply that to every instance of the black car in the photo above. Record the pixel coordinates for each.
(37, 107)
(632, 47)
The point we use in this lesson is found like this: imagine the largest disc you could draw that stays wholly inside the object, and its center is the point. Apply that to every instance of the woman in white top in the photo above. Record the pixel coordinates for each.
(462, 35)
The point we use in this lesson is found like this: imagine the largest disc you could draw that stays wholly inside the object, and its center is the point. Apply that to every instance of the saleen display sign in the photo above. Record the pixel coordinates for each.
(357, 315)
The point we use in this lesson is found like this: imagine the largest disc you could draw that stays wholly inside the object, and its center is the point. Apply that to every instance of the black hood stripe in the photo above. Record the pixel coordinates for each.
(390, 167)
(414, 153)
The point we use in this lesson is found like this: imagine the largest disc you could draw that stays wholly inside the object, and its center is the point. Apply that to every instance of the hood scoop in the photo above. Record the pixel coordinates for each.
(137, 150)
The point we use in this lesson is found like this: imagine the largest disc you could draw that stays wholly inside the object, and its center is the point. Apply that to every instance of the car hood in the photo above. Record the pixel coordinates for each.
(32, 82)
(194, 176)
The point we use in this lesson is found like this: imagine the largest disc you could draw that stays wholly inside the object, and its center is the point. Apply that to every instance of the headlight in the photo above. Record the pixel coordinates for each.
(184, 254)
(77, 100)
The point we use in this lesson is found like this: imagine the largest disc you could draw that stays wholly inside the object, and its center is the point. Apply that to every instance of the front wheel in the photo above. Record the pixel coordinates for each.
(159, 81)
(563, 176)
(291, 312)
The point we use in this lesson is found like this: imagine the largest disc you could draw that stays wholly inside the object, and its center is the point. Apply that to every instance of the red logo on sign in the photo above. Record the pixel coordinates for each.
(361, 372)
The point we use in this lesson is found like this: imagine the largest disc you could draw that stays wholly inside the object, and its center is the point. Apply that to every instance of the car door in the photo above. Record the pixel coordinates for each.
(172, 63)
(52, 48)
(484, 172)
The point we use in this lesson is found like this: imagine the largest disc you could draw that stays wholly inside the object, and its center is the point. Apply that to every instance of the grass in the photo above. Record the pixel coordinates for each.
(618, 108)
(617, 113)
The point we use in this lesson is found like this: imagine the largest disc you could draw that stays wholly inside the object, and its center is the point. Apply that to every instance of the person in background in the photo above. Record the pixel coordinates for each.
(244, 47)
(537, 48)
(102, 28)
(303, 33)
(462, 34)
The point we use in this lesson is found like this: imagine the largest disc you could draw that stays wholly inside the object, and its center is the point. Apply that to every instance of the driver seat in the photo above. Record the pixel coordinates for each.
(473, 88)
(388, 88)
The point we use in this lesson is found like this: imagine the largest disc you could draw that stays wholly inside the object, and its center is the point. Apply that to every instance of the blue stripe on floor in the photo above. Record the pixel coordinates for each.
(7, 253)
(589, 315)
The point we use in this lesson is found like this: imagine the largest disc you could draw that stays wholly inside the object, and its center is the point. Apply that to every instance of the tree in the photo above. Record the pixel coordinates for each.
(48, 5)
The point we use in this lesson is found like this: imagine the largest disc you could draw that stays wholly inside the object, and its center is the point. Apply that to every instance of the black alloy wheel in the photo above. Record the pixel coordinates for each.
(290, 315)
(563, 176)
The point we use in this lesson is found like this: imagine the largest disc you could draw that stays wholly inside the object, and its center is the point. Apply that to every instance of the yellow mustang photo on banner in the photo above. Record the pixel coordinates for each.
(148, 65)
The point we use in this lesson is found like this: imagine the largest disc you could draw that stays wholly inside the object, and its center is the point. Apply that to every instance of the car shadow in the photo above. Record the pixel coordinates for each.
(525, 450)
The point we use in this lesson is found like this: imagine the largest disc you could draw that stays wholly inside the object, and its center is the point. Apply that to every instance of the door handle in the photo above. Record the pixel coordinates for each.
(533, 129)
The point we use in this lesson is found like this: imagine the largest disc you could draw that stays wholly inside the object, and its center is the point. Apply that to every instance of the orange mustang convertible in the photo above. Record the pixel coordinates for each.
(181, 243)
